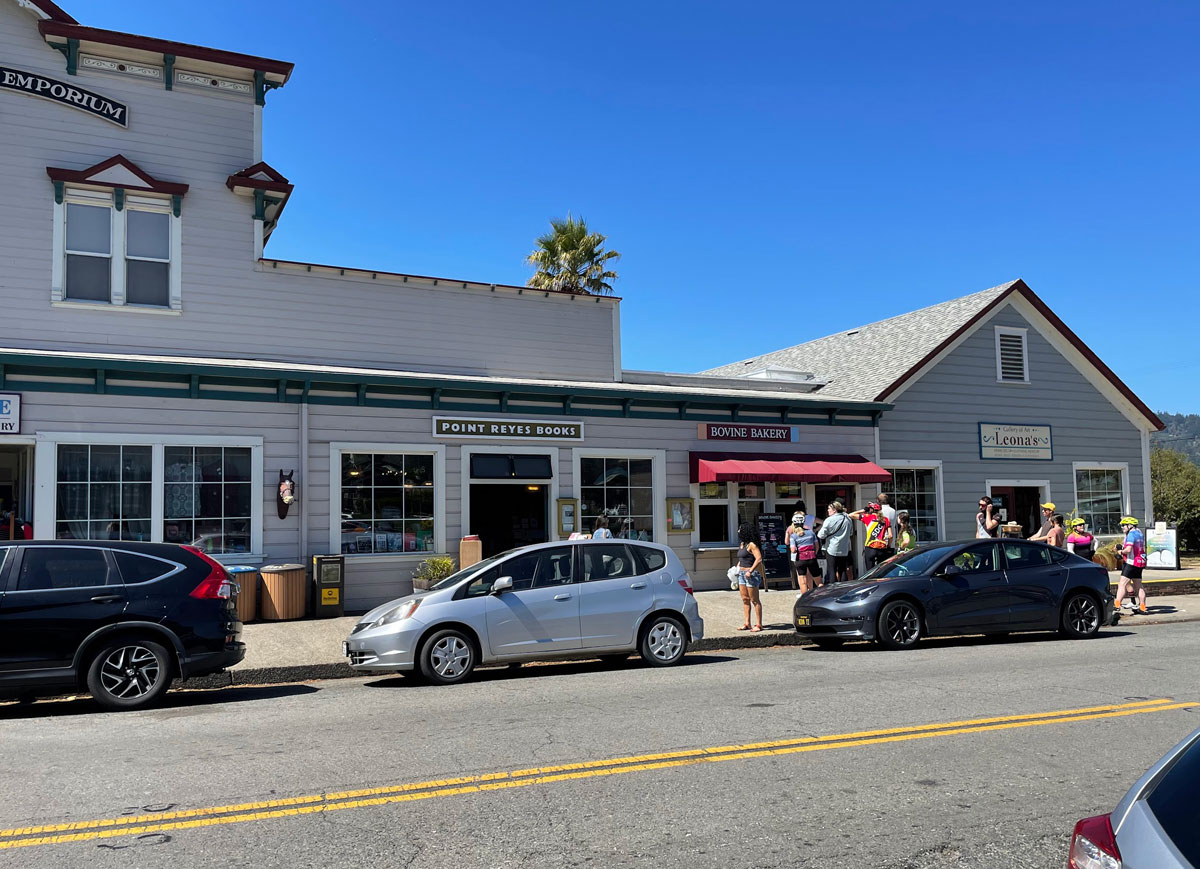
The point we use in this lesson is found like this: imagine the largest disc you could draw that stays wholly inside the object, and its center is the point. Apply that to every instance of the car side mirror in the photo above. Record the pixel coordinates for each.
(504, 583)
(952, 570)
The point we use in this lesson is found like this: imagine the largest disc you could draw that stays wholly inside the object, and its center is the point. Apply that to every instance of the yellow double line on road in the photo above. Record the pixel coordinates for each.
(164, 822)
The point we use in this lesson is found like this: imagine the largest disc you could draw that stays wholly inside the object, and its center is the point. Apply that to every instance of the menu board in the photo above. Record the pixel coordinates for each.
(772, 541)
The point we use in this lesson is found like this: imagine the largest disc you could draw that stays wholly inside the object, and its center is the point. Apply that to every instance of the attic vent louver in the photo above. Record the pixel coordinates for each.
(1012, 364)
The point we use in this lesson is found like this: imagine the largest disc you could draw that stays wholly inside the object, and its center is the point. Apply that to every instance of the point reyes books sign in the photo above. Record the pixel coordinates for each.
(750, 431)
(507, 429)
(67, 94)
(1002, 440)
(10, 414)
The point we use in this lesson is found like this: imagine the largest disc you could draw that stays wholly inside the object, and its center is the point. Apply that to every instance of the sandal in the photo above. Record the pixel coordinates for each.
(756, 630)
(744, 628)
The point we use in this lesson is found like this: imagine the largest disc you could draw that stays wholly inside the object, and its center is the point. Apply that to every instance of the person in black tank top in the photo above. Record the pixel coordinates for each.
(750, 577)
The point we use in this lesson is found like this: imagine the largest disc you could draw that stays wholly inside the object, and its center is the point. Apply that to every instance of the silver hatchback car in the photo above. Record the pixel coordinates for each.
(585, 598)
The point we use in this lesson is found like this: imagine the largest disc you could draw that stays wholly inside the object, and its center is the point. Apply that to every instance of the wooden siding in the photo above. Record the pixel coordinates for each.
(938, 418)
(232, 306)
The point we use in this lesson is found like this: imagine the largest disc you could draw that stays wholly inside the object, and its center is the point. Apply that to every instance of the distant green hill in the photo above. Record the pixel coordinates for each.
(1182, 433)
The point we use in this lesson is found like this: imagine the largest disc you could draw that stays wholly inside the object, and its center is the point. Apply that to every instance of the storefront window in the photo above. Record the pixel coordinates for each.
(1100, 498)
(915, 490)
(751, 500)
(621, 490)
(207, 497)
(713, 512)
(103, 492)
(387, 503)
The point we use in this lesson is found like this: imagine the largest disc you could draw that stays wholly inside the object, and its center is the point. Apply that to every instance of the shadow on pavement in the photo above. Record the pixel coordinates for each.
(973, 640)
(176, 704)
(548, 669)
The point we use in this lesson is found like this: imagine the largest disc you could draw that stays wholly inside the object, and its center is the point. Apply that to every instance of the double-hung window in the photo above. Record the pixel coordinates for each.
(118, 249)
(1100, 496)
(621, 489)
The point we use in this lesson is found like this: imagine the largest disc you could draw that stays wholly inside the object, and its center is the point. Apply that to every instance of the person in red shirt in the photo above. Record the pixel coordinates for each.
(879, 535)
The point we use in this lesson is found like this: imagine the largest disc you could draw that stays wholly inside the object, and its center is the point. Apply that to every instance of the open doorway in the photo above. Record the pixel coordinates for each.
(16, 492)
(1020, 501)
(506, 515)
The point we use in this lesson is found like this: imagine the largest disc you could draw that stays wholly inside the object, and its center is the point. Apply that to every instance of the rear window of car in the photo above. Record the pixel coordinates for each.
(140, 568)
(1174, 802)
(648, 560)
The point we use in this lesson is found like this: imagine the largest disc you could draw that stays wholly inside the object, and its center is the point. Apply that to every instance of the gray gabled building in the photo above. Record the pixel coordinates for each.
(992, 394)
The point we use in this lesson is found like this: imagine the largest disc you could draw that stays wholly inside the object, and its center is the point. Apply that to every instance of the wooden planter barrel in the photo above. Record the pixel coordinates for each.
(247, 599)
(283, 591)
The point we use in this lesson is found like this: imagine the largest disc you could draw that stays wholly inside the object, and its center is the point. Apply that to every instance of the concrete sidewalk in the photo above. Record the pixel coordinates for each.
(312, 649)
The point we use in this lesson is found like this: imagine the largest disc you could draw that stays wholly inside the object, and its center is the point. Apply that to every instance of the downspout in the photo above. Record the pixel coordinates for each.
(302, 457)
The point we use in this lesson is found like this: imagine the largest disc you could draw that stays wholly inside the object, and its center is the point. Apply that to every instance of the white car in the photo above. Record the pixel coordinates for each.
(585, 598)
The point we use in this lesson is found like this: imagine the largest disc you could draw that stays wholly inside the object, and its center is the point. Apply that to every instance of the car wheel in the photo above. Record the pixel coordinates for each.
(447, 657)
(663, 642)
(1081, 616)
(827, 642)
(899, 625)
(129, 673)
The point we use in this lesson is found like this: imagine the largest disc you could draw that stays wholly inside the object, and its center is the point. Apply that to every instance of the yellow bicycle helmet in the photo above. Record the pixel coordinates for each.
(1077, 522)
(1129, 520)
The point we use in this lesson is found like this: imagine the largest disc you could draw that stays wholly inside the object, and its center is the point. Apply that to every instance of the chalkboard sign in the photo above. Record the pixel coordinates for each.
(773, 543)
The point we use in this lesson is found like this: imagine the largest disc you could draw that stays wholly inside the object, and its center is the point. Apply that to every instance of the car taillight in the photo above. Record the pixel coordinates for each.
(217, 585)
(687, 587)
(1094, 845)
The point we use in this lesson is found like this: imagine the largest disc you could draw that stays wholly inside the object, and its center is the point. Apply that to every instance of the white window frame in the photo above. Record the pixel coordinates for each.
(79, 195)
(438, 451)
(46, 479)
(658, 480)
(934, 465)
(770, 501)
(1123, 467)
(1023, 334)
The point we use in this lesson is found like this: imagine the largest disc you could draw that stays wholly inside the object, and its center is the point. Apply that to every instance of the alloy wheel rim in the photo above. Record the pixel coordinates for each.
(130, 672)
(665, 641)
(450, 657)
(903, 626)
(1082, 615)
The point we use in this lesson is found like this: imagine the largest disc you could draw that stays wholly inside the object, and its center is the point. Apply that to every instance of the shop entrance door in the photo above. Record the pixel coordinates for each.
(1020, 504)
(507, 515)
(16, 490)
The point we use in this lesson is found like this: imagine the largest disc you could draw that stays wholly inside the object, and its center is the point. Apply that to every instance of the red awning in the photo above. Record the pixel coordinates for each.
(755, 467)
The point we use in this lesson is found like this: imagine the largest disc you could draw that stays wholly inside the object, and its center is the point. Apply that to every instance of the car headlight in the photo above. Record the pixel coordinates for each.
(404, 611)
(857, 596)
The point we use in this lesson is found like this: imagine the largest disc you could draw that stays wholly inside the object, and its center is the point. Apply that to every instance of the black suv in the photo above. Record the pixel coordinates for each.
(120, 619)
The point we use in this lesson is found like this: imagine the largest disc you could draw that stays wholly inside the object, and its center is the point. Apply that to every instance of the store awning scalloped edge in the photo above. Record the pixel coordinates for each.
(782, 467)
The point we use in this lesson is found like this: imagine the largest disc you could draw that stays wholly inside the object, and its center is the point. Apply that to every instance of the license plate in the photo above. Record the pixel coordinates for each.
(345, 649)
(802, 621)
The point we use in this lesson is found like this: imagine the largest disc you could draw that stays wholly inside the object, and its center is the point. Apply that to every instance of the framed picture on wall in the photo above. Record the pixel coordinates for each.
(568, 516)
(681, 514)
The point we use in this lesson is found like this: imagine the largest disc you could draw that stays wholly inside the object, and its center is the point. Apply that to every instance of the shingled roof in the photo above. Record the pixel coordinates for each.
(871, 362)
(863, 362)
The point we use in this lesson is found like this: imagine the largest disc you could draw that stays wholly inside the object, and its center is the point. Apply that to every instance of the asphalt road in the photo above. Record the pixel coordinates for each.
(591, 764)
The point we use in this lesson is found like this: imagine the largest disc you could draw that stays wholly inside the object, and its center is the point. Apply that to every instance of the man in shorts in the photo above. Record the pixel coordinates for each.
(1134, 552)
(835, 535)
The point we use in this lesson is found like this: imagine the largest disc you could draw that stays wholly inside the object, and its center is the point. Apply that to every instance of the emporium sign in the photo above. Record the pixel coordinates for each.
(507, 429)
(67, 94)
(723, 431)
(1002, 440)
(10, 413)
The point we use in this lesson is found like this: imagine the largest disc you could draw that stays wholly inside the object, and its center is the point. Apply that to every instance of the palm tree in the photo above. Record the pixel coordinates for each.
(571, 259)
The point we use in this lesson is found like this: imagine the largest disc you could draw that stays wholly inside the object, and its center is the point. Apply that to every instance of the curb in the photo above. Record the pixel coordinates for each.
(341, 670)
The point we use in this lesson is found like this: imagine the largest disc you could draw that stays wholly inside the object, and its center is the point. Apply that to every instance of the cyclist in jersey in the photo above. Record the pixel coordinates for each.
(879, 535)
(1134, 552)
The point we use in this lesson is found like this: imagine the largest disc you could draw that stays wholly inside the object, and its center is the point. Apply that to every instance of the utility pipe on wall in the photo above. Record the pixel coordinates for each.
(302, 457)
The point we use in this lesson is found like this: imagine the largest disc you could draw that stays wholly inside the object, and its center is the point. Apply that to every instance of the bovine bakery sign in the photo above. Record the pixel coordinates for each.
(10, 413)
(723, 431)
(67, 94)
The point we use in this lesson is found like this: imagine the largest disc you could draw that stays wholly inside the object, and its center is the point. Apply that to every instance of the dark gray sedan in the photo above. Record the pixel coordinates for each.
(971, 587)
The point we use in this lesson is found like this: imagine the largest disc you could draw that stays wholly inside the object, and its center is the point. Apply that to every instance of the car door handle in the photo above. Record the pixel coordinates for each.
(106, 598)
(562, 597)
(638, 585)
(995, 579)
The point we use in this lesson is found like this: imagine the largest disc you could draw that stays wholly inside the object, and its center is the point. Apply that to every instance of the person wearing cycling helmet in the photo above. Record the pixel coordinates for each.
(1134, 552)
(1079, 541)
(879, 535)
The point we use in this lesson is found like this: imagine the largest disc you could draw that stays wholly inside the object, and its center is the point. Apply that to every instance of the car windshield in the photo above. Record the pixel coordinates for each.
(455, 578)
(1173, 802)
(914, 563)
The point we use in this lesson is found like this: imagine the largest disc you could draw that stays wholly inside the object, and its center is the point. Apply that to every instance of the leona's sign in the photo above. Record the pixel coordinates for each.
(507, 429)
(10, 414)
(1002, 440)
(757, 431)
(67, 94)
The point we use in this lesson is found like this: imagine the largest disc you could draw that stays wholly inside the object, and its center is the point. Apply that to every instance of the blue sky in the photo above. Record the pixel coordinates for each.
(770, 172)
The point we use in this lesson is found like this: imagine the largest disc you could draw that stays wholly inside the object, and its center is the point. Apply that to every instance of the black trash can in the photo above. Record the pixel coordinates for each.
(329, 586)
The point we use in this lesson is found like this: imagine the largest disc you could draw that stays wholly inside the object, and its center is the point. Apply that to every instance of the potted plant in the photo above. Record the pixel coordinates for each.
(432, 571)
